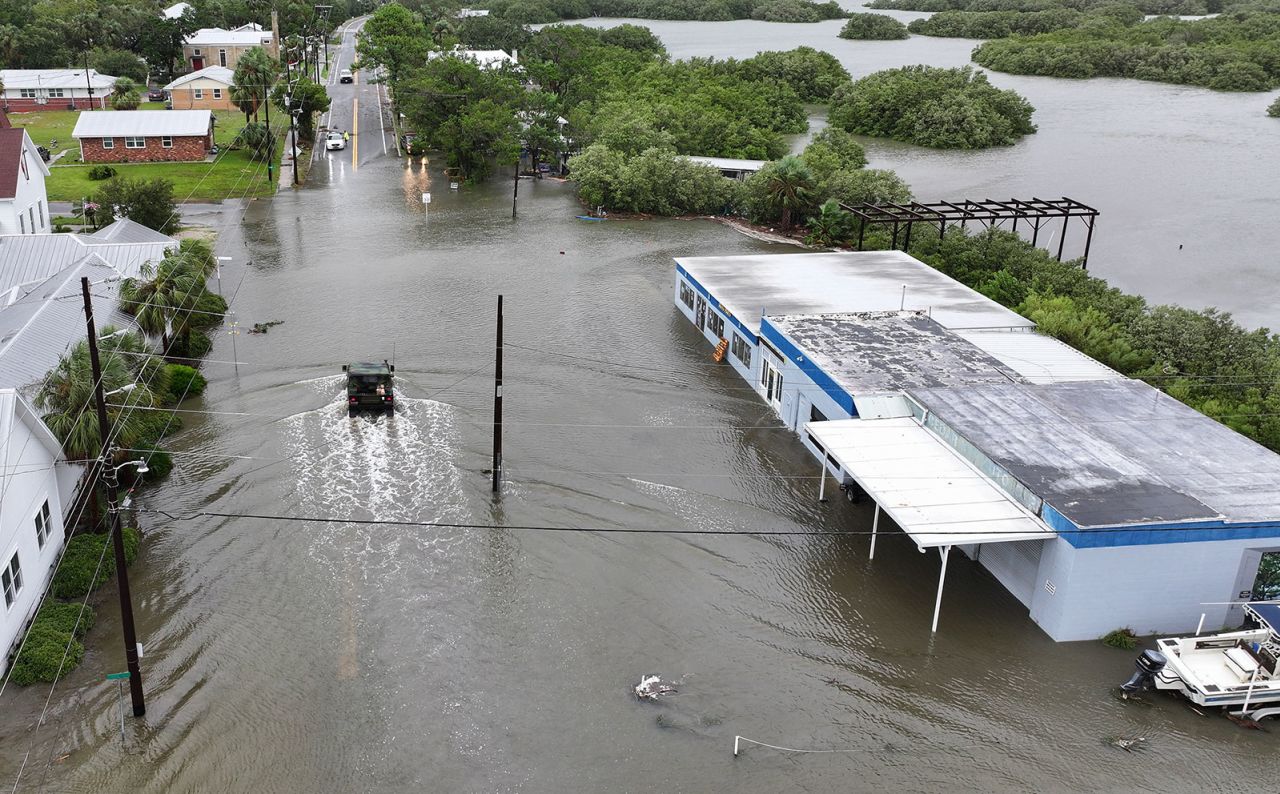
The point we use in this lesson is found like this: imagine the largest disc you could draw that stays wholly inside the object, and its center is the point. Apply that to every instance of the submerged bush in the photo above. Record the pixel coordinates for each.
(185, 382)
(1124, 639)
(930, 106)
(48, 655)
(87, 554)
(876, 27)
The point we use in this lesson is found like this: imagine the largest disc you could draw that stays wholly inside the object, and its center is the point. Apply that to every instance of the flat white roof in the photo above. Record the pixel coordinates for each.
(120, 123)
(858, 281)
(729, 163)
(1039, 358)
(208, 37)
(936, 496)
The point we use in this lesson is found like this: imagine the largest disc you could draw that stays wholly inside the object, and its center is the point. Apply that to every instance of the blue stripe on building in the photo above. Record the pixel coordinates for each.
(792, 353)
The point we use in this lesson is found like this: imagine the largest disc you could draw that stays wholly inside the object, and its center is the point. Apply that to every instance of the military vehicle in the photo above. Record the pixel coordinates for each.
(369, 387)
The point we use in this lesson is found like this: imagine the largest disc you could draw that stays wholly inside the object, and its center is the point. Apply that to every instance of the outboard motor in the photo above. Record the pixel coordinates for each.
(1148, 664)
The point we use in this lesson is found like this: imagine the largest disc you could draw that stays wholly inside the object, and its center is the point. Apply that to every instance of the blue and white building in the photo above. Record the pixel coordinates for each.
(1097, 501)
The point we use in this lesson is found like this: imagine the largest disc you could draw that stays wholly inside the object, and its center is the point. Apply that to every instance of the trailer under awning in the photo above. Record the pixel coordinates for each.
(937, 497)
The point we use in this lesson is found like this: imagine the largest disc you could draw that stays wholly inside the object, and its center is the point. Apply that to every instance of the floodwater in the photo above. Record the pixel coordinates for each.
(1187, 180)
(298, 655)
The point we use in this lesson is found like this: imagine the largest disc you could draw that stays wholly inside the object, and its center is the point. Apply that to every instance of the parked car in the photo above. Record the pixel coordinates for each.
(157, 95)
(334, 140)
(345, 76)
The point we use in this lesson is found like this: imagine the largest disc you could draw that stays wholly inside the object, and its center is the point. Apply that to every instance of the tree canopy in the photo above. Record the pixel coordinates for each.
(873, 26)
(930, 106)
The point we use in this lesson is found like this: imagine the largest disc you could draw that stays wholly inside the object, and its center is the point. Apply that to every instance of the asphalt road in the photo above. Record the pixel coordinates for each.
(360, 108)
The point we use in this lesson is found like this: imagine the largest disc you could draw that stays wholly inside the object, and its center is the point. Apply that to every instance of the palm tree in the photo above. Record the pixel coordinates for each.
(789, 187)
(125, 94)
(442, 30)
(255, 73)
(162, 298)
(831, 225)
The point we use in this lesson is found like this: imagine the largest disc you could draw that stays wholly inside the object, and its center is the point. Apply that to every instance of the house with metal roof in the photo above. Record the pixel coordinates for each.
(37, 483)
(140, 136)
(55, 89)
(485, 59)
(1097, 501)
(24, 203)
(731, 167)
(207, 89)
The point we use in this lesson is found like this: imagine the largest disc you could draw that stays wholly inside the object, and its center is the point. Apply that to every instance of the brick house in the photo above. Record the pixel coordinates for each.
(144, 136)
(54, 89)
(218, 47)
(207, 89)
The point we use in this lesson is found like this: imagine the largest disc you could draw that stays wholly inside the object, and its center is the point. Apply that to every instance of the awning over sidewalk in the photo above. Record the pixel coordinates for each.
(937, 497)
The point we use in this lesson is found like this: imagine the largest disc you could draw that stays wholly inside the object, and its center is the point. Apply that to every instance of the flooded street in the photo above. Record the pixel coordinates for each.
(430, 653)
(294, 655)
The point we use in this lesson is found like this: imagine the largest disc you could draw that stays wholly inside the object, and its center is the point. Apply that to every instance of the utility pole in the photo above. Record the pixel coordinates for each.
(497, 407)
(515, 188)
(288, 106)
(271, 139)
(117, 535)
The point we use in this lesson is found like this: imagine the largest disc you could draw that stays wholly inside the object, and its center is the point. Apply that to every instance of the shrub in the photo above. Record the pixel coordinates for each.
(100, 172)
(191, 346)
(67, 617)
(149, 202)
(48, 654)
(75, 577)
(1124, 639)
(209, 309)
(185, 382)
(930, 106)
(873, 27)
(1274, 110)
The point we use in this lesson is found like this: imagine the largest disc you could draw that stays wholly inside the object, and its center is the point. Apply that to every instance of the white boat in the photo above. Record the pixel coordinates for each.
(1232, 669)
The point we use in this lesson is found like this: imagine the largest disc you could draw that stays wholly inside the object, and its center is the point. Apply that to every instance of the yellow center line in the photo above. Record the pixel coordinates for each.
(355, 132)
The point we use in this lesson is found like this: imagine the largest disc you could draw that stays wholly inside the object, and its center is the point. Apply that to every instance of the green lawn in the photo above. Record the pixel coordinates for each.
(234, 175)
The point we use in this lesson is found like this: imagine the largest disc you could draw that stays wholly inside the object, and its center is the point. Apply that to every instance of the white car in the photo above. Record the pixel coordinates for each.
(345, 76)
(334, 140)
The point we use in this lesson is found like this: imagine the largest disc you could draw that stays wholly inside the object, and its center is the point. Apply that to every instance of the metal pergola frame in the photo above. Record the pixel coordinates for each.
(990, 213)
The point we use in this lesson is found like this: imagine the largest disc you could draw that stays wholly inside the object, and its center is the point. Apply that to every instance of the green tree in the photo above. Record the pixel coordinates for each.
(833, 150)
(125, 95)
(597, 171)
(831, 225)
(119, 63)
(164, 297)
(256, 72)
(149, 202)
(1274, 110)
(393, 38)
(305, 99)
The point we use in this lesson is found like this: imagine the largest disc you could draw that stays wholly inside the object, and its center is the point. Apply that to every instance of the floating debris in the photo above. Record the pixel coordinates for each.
(262, 328)
(1244, 722)
(652, 687)
(1129, 744)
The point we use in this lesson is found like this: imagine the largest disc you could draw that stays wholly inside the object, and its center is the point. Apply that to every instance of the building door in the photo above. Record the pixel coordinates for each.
(197, 63)
(772, 385)
(700, 313)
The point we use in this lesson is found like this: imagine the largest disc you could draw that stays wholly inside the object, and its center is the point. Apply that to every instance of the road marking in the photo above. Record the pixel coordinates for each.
(355, 132)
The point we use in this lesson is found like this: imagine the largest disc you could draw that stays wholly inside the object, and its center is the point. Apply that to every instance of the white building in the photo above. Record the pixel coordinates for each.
(486, 59)
(35, 483)
(176, 10)
(24, 204)
(54, 89)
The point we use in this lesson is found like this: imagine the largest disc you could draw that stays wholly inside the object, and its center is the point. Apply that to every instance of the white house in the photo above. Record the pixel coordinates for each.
(36, 481)
(24, 205)
(176, 10)
(54, 89)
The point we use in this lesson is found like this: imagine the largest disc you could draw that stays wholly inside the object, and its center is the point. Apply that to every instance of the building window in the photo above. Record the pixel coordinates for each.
(134, 142)
(31, 216)
(57, 93)
(108, 143)
(27, 93)
(11, 578)
(716, 323)
(741, 350)
(686, 294)
(166, 141)
(217, 93)
(42, 524)
(815, 415)
(222, 61)
(40, 204)
(195, 51)
(22, 223)
(198, 93)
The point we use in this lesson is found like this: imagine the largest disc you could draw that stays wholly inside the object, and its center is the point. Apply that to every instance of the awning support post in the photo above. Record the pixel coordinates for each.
(875, 525)
(942, 576)
(822, 477)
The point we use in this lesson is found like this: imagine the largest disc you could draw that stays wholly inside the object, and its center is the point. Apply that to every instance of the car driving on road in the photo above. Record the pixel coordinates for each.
(345, 76)
(334, 140)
